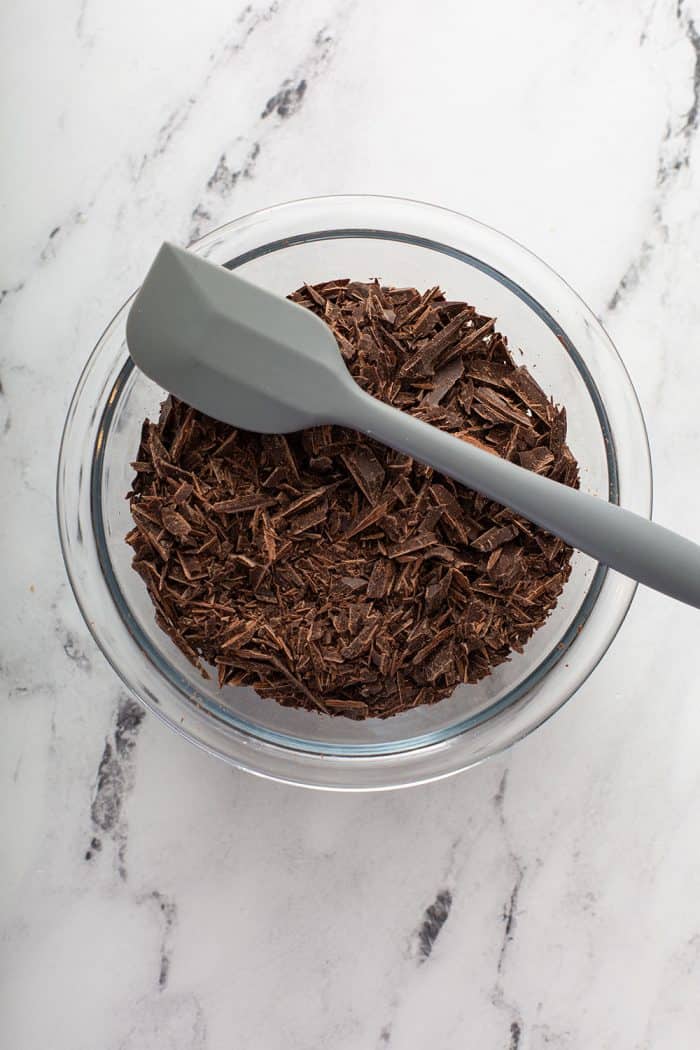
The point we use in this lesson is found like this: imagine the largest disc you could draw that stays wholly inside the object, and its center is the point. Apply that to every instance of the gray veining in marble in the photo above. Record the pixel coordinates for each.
(150, 897)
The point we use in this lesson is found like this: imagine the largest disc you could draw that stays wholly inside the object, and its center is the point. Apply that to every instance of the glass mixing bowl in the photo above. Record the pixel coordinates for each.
(402, 243)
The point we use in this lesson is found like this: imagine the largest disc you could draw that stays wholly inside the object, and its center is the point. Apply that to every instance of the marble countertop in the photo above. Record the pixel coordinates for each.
(151, 897)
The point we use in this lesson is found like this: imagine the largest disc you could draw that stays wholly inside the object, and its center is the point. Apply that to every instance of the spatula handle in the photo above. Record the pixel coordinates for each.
(632, 545)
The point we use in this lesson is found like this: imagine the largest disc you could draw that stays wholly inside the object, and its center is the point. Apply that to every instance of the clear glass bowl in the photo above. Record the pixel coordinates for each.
(402, 243)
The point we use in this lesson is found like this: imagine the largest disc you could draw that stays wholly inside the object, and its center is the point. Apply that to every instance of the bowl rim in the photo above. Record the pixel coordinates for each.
(359, 772)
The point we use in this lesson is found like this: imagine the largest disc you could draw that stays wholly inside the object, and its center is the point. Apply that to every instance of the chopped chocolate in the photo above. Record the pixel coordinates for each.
(238, 506)
(537, 459)
(444, 380)
(329, 572)
(367, 471)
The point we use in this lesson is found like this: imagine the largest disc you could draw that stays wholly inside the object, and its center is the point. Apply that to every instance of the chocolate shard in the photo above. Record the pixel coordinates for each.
(501, 409)
(367, 471)
(175, 523)
(310, 520)
(537, 459)
(366, 520)
(476, 335)
(531, 393)
(436, 593)
(440, 664)
(381, 579)
(240, 636)
(494, 537)
(183, 492)
(422, 361)
(307, 500)
(361, 642)
(453, 516)
(417, 542)
(242, 504)
(443, 381)
(557, 436)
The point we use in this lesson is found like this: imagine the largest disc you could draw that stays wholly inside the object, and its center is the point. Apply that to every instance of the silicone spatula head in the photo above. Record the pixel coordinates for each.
(233, 350)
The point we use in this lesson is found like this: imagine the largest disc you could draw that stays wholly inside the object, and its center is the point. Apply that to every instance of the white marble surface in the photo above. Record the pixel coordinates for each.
(221, 910)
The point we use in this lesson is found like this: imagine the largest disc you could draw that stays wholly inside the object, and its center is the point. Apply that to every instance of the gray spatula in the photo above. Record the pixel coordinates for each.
(260, 362)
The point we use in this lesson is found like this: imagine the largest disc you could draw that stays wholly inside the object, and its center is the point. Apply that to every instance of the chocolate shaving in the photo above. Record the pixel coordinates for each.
(381, 578)
(329, 572)
(244, 503)
(367, 471)
(443, 381)
(175, 523)
(537, 459)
